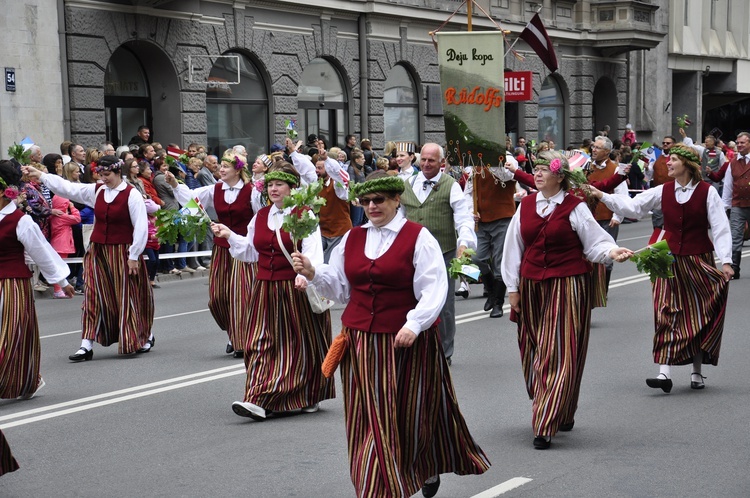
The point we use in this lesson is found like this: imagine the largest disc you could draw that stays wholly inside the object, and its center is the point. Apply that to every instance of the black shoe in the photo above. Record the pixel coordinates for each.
(431, 489)
(448, 359)
(497, 310)
(462, 293)
(82, 354)
(490, 303)
(542, 442)
(657, 383)
(567, 427)
(239, 354)
(697, 384)
(147, 347)
(229, 349)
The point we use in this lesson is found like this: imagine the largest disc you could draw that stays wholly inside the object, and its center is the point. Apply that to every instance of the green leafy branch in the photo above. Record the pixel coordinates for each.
(171, 223)
(302, 220)
(654, 260)
(455, 269)
(16, 152)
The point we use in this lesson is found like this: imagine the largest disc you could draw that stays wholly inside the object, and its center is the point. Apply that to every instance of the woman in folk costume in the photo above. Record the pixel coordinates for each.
(689, 309)
(19, 331)
(118, 300)
(230, 280)
(549, 289)
(287, 342)
(403, 423)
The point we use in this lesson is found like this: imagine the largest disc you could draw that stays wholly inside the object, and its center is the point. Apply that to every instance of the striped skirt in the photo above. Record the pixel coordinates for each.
(285, 348)
(7, 462)
(553, 336)
(118, 307)
(229, 284)
(19, 339)
(689, 311)
(599, 286)
(403, 422)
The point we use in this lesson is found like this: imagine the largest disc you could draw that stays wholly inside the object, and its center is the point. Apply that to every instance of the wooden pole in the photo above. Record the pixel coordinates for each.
(469, 6)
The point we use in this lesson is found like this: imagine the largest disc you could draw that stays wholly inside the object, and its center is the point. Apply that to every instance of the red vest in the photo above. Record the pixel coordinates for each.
(334, 216)
(112, 220)
(382, 289)
(602, 212)
(272, 264)
(12, 264)
(686, 224)
(553, 249)
(236, 215)
(494, 201)
(740, 183)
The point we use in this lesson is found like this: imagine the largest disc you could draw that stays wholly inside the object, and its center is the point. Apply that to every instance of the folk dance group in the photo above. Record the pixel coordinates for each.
(403, 423)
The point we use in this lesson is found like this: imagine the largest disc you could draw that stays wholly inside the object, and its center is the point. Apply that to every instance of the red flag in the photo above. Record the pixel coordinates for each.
(536, 36)
(175, 152)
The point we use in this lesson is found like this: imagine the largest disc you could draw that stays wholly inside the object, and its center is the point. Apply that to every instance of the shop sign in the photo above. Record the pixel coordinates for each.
(518, 86)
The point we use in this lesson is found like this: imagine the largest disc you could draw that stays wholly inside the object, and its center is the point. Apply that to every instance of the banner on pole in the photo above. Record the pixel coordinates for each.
(471, 79)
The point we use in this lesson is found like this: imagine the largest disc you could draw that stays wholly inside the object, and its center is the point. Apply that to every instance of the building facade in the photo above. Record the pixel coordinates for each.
(222, 72)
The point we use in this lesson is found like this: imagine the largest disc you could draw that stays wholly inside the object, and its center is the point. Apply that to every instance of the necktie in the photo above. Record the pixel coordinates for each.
(430, 183)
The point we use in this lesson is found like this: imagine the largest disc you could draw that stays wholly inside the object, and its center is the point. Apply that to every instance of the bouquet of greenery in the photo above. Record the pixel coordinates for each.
(302, 220)
(579, 187)
(463, 267)
(683, 121)
(654, 260)
(192, 222)
(19, 154)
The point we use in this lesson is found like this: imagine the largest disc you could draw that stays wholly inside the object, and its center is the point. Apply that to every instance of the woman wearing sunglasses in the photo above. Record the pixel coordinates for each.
(402, 419)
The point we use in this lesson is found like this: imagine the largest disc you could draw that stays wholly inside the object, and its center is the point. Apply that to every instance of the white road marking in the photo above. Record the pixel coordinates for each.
(503, 487)
(145, 390)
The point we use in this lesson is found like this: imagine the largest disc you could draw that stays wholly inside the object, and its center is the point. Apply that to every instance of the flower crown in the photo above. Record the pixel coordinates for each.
(235, 161)
(282, 176)
(109, 167)
(392, 184)
(684, 152)
(11, 192)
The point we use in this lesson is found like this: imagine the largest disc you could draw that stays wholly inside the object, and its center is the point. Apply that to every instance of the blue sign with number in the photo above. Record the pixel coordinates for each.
(10, 79)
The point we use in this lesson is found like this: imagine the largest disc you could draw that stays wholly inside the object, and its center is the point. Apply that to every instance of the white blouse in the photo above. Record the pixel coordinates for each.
(639, 206)
(430, 278)
(85, 193)
(597, 243)
(37, 248)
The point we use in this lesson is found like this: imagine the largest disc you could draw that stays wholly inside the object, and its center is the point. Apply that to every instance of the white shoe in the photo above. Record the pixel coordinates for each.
(245, 409)
(188, 269)
(175, 271)
(311, 409)
(31, 395)
(201, 268)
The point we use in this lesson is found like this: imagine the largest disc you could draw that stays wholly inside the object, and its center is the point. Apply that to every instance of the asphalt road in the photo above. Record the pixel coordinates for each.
(160, 424)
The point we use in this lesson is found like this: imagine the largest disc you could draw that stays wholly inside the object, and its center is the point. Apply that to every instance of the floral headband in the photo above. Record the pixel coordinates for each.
(11, 192)
(282, 176)
(384, 184)
(684, 152)
(555, 166)
(109, 167)
(235, 161)
(266, 160)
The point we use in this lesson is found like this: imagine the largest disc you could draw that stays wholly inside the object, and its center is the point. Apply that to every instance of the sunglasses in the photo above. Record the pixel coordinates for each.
(666, 143)
(365, 201)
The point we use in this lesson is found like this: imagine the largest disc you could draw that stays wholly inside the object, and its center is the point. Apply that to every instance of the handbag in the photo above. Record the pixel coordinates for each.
(318, 303)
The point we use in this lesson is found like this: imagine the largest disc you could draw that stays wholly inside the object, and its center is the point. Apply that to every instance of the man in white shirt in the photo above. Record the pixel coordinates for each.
(436, 201)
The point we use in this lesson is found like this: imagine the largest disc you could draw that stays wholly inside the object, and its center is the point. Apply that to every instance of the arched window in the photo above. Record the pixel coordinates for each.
(552, 113)
(126, 96)
(322, 103)
(237, 114)
(401, 107)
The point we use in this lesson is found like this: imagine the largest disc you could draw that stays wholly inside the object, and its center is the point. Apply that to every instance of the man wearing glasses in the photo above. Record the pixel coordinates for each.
(659, 176)
(435, 201)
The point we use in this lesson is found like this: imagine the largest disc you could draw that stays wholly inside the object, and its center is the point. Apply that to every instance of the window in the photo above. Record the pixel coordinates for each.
(322, 103)
(401, 107)
(551, 113)
(237, 114)
(126, 97)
